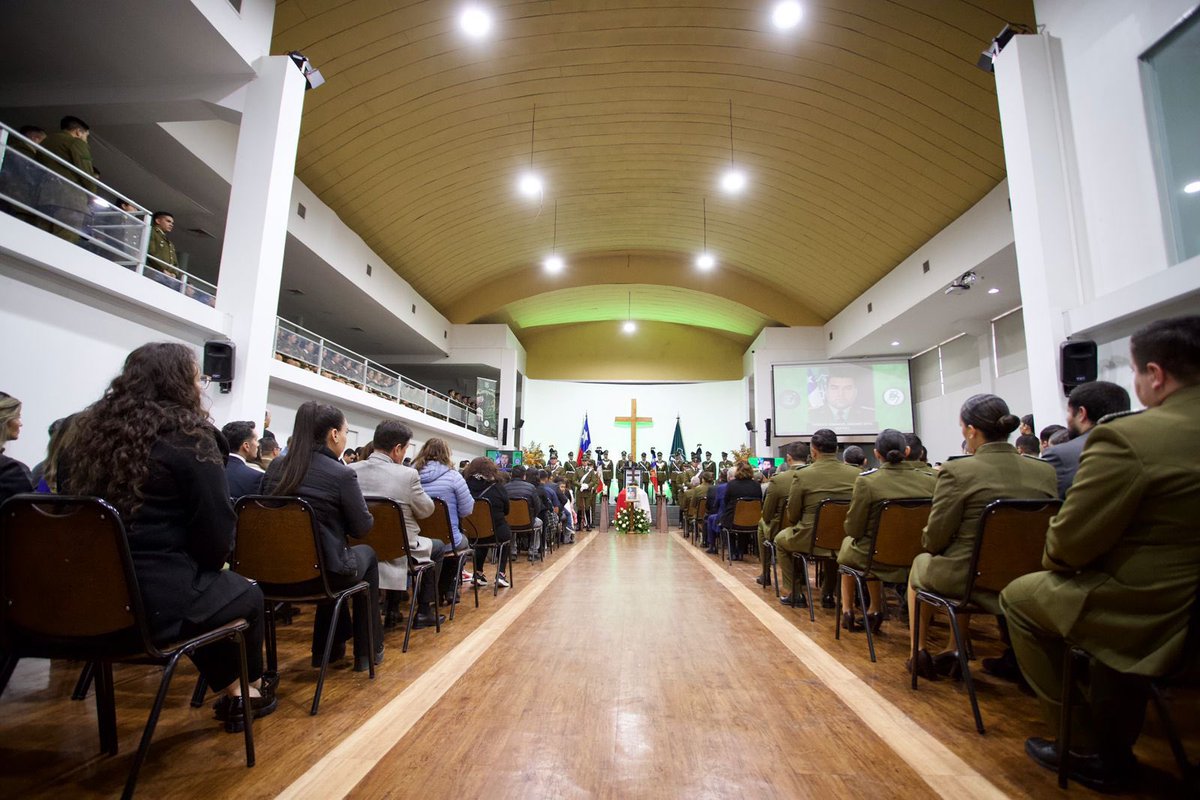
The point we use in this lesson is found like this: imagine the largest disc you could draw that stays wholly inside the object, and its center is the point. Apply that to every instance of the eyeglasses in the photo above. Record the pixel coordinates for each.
(205, 381)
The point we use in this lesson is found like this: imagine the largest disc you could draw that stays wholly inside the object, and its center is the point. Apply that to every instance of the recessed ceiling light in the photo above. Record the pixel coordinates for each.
(733, 181)
(786, 15)
(895, 344)
(706, 261)
(475, 21)
(1192, 187)
(553, 264)
(993, 290)
(530, 185)
(630, 326)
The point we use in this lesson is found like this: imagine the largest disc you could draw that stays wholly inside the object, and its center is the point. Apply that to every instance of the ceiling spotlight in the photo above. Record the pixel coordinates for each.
(475, 21)
(1192, 187)
(895, 344)
(553, 264)
(786, 15)
(530, 185)
(993, 290)
(705, 261)
(630, 326)
(733, 181)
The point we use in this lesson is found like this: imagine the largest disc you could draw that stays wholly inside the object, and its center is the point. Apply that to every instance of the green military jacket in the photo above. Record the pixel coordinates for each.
(824, 478)
(606, 475)
(1124, 550)
(711, 468)
(963, 489)
(161, 248)
(889, 482)
(589, 478)
(774, 500)
(622, 465)
(65, 191)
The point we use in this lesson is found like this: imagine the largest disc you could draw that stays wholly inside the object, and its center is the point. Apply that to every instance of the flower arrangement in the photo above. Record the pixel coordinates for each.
(631, 519)
(533, 456)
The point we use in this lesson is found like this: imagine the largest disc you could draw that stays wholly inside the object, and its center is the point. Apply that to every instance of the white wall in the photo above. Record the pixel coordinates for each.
(249, 33)
(776, 346)
(711, 414)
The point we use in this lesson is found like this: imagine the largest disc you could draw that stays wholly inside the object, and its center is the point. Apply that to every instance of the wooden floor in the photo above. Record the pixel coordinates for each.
(623, 666)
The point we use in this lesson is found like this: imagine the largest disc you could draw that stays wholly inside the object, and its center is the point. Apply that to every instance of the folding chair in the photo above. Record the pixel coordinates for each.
(829, 528)
(389, 538)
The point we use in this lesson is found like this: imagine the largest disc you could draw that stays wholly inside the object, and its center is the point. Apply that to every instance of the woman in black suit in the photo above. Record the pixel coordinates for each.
(311, 469)
(148, 448)
(743, 485)
(14, 476)
(484, 482)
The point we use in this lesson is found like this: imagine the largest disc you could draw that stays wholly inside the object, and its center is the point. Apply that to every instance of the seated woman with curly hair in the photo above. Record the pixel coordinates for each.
(149, 448)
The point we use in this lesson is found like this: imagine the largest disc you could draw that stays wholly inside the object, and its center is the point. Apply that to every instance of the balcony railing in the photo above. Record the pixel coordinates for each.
(302, 348)
(79, 208)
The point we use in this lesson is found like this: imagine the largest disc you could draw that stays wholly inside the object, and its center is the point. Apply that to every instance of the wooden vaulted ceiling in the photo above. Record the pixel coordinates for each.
(864, 131)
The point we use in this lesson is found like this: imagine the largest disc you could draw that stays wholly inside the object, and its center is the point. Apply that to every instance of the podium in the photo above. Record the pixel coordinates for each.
(605, 521)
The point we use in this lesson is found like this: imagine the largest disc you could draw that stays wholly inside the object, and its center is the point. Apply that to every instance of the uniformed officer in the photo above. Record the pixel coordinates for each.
(896, 477)
(644, 465)
(709, 466)
(607, 473)
(64, 195)
(622, 465)
(1123, 563)
(825, 477)
(588, 479)
(993, 471)
(725, 463)
(161, 247)
(795, 456)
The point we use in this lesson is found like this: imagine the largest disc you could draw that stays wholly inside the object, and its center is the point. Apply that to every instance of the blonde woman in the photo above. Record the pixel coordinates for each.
(14, 476)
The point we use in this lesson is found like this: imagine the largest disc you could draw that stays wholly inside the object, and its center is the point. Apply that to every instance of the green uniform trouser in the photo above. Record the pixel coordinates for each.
(587, 502)
(792, 540)
(1109, 707)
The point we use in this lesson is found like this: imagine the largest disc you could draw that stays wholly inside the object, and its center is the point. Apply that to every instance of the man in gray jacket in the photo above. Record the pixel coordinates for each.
(1087, 405)
(383, 474)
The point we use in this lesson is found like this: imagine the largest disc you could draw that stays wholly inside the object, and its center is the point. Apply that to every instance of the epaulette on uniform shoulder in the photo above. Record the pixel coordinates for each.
(960, 455)
(871, 471)
(1118, 415)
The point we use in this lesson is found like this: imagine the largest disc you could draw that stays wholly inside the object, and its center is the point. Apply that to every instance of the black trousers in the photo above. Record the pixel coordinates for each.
(219, 662)
(481, 553)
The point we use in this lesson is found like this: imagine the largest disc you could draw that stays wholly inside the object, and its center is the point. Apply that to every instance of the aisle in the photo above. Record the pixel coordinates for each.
(635, 674)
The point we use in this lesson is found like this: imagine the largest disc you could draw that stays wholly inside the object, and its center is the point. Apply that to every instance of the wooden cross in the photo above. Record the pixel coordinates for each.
(633, 421)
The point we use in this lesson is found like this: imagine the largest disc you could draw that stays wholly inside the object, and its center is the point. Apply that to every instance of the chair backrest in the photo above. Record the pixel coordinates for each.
(437, 525)
(899, 523)
(277, 540)
(747, 512)
(1010, 542)
(829, 523)
(518, 516)
(702, 508)
(388, 537)
(477, 526)
(66, 575)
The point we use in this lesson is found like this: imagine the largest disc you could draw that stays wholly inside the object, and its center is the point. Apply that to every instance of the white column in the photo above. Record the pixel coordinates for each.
(508, 397)
(256, 229)
(1039, 150)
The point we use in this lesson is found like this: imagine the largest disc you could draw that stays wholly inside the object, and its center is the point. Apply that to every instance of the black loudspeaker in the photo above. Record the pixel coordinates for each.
(1079, 364)
(504, 433)
(749, 425)
(768, 431)
(218, 360)
(520, 424)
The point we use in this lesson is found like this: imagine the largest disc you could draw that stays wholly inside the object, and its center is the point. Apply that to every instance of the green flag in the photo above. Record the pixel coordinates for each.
(677, 441)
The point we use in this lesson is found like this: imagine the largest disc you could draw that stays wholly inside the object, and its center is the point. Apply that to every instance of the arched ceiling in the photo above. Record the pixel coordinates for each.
(864, 132)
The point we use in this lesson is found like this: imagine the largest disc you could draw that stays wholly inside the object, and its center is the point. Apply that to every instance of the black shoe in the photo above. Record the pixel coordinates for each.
(924, 666)
(786, 599)
(231, 710)
(763, 580)
(427, 621)
(360, 662)
(391, 619)
(336, 654)
(827, 601)
(1005, 667)
(947, 665)
(712, 551)
(1102, 774)
(849, 623)
(875, 621)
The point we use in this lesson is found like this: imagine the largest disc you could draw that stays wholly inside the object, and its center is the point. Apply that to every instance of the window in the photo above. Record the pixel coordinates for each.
(1169, 71)
(1008, 343)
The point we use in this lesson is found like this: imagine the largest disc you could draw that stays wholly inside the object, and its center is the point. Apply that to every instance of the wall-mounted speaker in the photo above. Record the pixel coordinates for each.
(768, 431)
(218, 360)
(749, 425)
(504, 433)
(1079, 364)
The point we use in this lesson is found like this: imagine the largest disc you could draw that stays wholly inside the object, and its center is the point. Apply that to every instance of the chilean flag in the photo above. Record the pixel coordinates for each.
(585, 441)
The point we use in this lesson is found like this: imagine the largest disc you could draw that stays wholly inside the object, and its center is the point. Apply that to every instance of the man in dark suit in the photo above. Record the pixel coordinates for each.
(244, 478)
(1088, 404)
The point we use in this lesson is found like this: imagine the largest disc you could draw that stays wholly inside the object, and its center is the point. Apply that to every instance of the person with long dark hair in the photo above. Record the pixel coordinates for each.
(964, 487)
(311, 470)
(484, 483)
(149, 448)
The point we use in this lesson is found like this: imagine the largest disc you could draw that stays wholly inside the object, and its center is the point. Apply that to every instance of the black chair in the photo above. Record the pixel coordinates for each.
(68, 590)
(279, 545)
(437, 526)
(520, 522)
(1009, 544)
(477, 526)
(746, 514)
(699, 514)
(1184, 673)
(388, 537)
(829, 528)
(768, 544)
(895, 540)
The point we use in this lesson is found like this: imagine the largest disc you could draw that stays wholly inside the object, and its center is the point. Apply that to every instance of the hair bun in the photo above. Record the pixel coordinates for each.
(894, 456)
(1008, 423)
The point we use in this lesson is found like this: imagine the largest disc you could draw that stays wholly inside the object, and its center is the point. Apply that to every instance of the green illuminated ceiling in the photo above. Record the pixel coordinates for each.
(639, 301)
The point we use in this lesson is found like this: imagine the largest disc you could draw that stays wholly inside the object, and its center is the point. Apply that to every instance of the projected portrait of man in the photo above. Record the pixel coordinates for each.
(842, 406)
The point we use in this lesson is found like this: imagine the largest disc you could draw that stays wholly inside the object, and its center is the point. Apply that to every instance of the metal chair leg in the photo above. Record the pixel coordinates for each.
(272, 652)
(964, 664)
(837, 611)
(808, 594)
(199, 692)
(6, 670)
(860, 585)
(916, 637)
(1066, 709)
(244, 675)
(139, 758)
(415, 580)
(85, 681)
(106, 708)
(775, 567)
(333, 623)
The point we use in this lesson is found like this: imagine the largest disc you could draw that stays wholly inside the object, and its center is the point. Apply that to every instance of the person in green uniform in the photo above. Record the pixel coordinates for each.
(607, 473)
(825, 477)
(993, 470)
(161, 248)
(589, 478)
(725, 463)
(896, 477)
(1122, 563)
(65, 195)
(795, 456)
(709, 466)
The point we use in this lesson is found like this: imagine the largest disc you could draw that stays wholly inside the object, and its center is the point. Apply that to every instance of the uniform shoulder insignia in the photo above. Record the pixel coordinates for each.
(871, 471)
(1031, 458)
(957, 457)
(1119, 415)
